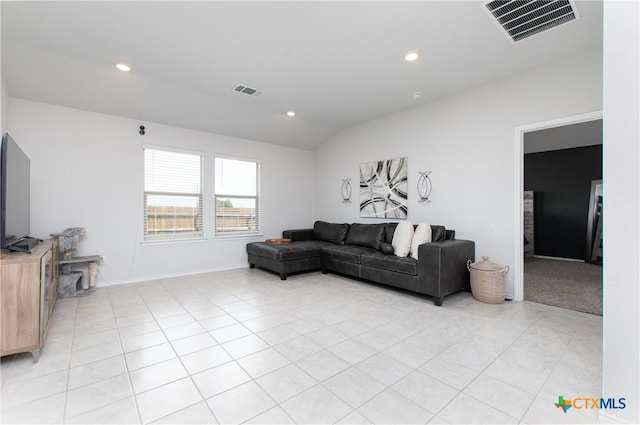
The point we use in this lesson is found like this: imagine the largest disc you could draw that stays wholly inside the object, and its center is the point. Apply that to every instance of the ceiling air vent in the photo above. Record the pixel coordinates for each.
(248, 90)
(522, 19)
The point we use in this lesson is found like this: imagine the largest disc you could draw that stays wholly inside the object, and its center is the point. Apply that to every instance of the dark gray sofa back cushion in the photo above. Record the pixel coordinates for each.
(330, 232)
(386, 248)
(389, 229)
(438, 232)
(369, 235)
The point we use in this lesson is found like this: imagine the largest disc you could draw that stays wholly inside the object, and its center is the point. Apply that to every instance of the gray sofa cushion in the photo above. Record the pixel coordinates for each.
(386, 248)
(292, 251)
(438, 233)
(330, 232)
(406, 265)
(369, 235)
(349, 253)
(389, 229)
(298, 234)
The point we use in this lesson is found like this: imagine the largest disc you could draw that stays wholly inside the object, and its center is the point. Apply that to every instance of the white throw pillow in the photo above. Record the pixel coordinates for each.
(402, 238)
(421, 235)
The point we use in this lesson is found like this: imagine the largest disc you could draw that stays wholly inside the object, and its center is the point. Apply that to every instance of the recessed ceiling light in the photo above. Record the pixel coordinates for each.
(123, 67)
(411, 56)
(291, 114)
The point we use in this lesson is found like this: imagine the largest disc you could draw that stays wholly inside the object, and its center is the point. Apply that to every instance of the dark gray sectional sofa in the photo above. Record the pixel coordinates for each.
(364, 251)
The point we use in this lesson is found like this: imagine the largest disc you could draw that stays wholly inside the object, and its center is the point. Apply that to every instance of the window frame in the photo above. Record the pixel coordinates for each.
(257, 197)
(177, 237)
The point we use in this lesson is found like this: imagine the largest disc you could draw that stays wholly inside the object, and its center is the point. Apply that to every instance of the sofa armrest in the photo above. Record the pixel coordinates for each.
(298, 234)
(442, 267)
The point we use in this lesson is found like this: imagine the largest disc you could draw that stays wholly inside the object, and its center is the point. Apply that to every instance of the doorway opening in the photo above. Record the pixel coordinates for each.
(549, 254)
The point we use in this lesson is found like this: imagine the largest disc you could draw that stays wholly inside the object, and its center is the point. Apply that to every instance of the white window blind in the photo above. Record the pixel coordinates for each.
(237, 196)
(172, 195)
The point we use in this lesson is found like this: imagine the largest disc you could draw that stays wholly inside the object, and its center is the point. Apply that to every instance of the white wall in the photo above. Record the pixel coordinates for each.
(87, 171)
(4, 106)
(621, 368)
(467, 142)
(4, 95)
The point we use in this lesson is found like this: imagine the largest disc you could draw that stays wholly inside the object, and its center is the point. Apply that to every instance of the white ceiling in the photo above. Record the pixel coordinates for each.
(336, 64)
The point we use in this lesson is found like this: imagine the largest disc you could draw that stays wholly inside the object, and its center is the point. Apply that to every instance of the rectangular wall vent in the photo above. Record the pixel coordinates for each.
(248, 90)
(522, 19)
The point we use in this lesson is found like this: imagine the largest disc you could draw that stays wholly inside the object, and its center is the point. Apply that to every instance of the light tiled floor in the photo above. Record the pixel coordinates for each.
(242, 346)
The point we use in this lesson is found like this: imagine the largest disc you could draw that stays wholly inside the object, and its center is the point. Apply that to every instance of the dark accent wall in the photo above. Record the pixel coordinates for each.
(561, 181)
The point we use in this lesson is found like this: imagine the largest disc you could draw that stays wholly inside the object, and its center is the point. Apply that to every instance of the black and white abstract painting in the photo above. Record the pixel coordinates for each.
(383, 189)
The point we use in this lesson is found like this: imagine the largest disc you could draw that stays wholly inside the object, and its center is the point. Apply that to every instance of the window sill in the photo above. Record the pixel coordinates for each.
(173, 241)
(200, 240)
(238, 236)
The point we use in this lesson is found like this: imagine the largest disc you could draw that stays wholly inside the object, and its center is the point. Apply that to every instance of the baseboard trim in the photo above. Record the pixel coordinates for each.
(546, 257)
(138, 279)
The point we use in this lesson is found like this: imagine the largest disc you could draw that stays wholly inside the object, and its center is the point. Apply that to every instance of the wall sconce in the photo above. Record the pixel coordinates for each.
(345, 191)
(424, 186)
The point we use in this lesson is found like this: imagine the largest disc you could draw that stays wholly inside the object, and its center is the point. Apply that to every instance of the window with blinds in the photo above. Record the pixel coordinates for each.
(237, 196)
(172, 195)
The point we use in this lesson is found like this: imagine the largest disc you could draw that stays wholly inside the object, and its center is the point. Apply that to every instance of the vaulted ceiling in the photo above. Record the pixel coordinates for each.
(336, 64)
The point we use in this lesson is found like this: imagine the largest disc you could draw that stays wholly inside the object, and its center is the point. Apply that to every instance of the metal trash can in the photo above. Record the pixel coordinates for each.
(487, 281)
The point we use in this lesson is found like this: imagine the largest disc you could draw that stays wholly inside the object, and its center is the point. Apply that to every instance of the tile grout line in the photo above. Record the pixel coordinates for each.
(369, 302)
(126, 366)
(184, 367)
(73, 336)
(461, 391)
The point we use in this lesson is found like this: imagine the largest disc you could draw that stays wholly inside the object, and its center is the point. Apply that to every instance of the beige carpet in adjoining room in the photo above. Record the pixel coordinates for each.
(572, 285)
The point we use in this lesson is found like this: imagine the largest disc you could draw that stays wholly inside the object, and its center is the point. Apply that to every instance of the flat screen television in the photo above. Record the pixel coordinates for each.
(15, 197)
